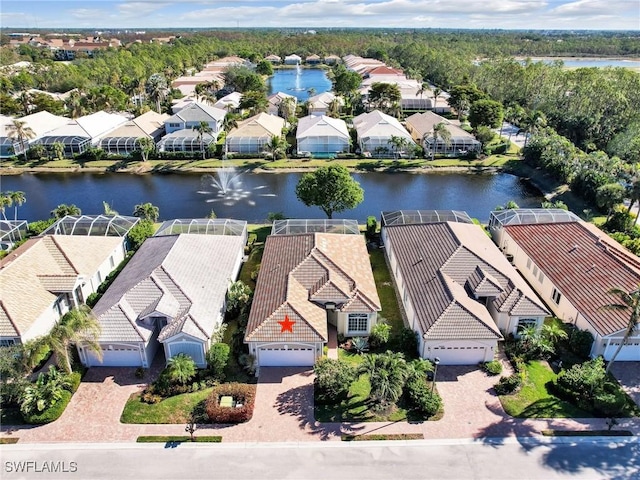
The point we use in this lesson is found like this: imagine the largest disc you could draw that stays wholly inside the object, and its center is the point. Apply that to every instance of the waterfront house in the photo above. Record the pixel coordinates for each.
(320, 104)
(322, 136)
(274, 59)
(292, 59)
(252, 134)
(460, 294)
(376, 132)
(125, 139)
(573, 265)
(171, 294)
(309, 283)
(421, 125)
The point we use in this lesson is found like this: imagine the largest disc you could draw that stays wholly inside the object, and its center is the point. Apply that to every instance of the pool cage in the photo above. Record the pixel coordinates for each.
(73, 145)
(120, 145)
(530, 216)
(318, 145)
(298, 226)
(246, 144)
(93, 225)
(407, 217)
(12, 231)
(203, 226)
(185, 141)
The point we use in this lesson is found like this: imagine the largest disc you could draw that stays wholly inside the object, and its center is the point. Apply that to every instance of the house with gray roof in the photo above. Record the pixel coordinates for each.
(573, 265)
(381, 135)
(171, 295)
(322, 136)
(421, 126)
(310, 283)
(181, 136)
(460, 294)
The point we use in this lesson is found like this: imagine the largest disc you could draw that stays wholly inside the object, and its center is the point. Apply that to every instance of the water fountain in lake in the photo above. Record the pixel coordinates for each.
(226, 187)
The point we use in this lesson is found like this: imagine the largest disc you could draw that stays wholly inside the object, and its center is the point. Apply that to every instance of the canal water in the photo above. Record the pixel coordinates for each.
(253, 196)
(298, 82)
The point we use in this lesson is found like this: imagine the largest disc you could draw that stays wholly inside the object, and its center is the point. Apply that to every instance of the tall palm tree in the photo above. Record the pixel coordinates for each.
(156, 88)
(146, 145)
(439, 131)
(287, 108)
(17, 199)
(276, 146)
(77, 327)
(398, 143)
(58, 150)
(21, 133)
(333, 109)
(203, 129)
(5, 202)
(629, 301)
(147, 211)
(75, 104)
(63, 210)
(436, 93)
(533, 122)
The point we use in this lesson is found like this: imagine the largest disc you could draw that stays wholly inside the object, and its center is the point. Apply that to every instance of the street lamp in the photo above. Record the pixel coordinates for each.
(436, 362)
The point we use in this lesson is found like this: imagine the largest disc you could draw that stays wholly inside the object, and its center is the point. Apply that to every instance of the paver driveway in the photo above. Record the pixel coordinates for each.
(628, 374)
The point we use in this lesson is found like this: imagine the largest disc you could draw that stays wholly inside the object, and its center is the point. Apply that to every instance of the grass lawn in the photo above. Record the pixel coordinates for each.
(8, 441)
(535, 400)
(390, 436)
(178, 439)
(390, 309)
(171, 410)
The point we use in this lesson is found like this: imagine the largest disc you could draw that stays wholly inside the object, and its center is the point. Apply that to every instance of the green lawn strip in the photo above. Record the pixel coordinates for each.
(380, 436)
(535, 400)
(384, 285)
(587, 433)
(11, 416)
(175, 409)
(177, 439)
(8, 441)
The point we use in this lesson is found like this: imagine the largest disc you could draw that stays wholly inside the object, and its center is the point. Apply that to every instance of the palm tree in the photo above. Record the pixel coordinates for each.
(633, 193)
(58, 150)
(276, 146)
(75, 104)
(398, 143)
(5, 202)
(63, 210)
(108, 209)
(333, 109)
(628, 301)
(17, 199)
(156, 88)
(436, 93)
(77, 327)
(203, 129)
(533, 121)
(147, 211)
(387, 375)
(146, 145)
(181, 368)
(439, 131)
(287, 108)
(21, 133)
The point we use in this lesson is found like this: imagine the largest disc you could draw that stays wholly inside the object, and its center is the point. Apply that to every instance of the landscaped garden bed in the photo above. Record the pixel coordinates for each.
(176, 409)
(382, 436)
(178, 439)
(231, 403)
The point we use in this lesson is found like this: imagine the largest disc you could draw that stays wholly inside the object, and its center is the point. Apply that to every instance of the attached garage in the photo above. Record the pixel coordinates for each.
(461, 353)
(291, 356)
(629, 353)
(116, 356)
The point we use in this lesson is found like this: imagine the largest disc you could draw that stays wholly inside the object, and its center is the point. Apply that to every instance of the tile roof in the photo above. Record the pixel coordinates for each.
(298, 270)
(583, 266)
(259, 126)
(321, 126)
(423, 124)
(440, 263)
(378, 124)
(32, 276)
(197, 112)
(183, 276)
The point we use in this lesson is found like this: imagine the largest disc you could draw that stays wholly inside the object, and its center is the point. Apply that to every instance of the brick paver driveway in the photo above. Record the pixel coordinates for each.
(628, 374)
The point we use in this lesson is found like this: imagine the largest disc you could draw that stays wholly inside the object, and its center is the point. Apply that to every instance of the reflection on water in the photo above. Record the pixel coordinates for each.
(178, 196)
(298, 82)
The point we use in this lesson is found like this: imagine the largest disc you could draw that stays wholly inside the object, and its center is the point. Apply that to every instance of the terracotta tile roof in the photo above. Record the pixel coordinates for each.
(32, 276)
(437, 261)
(582, 266)
(298, 270)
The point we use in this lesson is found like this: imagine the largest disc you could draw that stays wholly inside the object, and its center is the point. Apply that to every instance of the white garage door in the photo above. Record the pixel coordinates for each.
(292, 357)
(460, 354)
(629, 353)
(119, 356)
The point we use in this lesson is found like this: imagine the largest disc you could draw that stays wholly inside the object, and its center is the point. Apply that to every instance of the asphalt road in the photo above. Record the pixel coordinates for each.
(498, 459)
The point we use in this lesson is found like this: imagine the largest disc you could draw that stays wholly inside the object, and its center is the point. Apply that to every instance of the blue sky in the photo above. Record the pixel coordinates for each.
(489, 14)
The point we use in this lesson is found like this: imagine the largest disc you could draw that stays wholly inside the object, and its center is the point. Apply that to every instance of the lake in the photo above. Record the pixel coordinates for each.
(297, 82)
(191, 195)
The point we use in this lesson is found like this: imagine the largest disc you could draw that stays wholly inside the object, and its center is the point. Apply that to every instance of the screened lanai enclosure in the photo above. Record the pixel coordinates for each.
(7, 148)
(12, 231)
(120, 145)
(460, 143)
(72, 144)
(245, 144)
(298, 226)
(203, 226)
(185, 140)
(93, 225)
(323, 145)
(408, 217)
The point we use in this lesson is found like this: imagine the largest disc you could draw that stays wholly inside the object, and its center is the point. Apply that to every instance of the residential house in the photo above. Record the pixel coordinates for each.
(181, 136)
(332, 59)
(313, 60)
(573, 265)
(276, 100)
(82, 133)
(40, 123)
(292, 59)
(376, 134)
(251, 135)
(321, 104)
(308, 283)
(322, 136)
(274, 59)
(48, 275)
(171, 295)
(125, 139)
(421, 125)
(460, 294)
(229, 103)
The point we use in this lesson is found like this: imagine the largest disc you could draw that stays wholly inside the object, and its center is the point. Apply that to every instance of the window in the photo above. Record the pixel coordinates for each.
(358, 322)
(528, 264)
(556, 296)
(535, 270)
(541, 277)
(7, 342)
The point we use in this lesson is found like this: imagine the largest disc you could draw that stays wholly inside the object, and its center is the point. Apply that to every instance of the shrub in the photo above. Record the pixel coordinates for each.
(580, 342)
(507, 385)
(93, 298)
(49, 414)
(248, 362)
(74, 379)
(422, 399)
(36, 228)
(493, 367)
(333, 378)
(580, 382)
(238, 297)
(139, 233)
(360, 344)
(241, 393)
(255, 272)
(149, 397)
(609, 404)
(408, 342)
(372, 227)
(380, 334)
(217, 359)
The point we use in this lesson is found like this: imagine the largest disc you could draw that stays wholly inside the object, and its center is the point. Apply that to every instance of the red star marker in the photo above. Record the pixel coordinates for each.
(287, 325)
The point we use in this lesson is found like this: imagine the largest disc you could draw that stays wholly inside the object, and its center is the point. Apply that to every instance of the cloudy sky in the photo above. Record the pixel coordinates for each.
(488, 14)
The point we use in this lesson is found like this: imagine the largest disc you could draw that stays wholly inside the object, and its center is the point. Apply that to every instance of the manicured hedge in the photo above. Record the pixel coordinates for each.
(52, 413)
(239, 391)
(74, 378)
